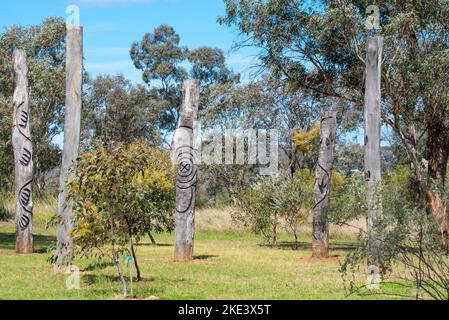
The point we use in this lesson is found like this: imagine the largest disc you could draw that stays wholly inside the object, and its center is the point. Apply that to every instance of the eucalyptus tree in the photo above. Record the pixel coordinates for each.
(164, 63)
(319, 47)
(117, 111)
(159, 55)
(45, 48)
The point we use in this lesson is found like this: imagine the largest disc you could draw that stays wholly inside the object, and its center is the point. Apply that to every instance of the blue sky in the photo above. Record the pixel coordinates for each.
(110, 26)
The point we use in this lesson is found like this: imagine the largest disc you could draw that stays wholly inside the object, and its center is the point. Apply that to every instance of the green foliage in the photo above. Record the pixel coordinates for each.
(406, 236)
(407, 240)
(347, 201)
(45, 48)
(118, 196)
(160, 56)
(319, 47)
(349, 158)
(275, 202)
(116, 111)
(4, 214)
(208, 65)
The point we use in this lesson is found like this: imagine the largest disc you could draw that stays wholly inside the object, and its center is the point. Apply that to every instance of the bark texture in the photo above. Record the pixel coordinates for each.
(323, 173)
(372, 126)
(372, 139)
(185, 157)
(23, 155)
(71, 140)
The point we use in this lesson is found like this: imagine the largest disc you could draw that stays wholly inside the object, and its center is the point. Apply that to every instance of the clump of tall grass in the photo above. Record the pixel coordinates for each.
(5, 212)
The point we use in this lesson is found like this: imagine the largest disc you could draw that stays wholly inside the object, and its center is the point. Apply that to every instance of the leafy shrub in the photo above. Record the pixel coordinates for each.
(275, 202)
(120, 195)
(347, 199)
(406, 233)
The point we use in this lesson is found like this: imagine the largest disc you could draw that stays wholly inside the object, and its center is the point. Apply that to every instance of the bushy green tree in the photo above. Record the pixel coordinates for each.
(116, 111)
(118, 196)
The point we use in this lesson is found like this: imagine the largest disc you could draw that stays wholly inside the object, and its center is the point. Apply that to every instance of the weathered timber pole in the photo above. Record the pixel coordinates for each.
(185, 157)
(323, 174)
(74, 60)
(23, 155)
(372, 138)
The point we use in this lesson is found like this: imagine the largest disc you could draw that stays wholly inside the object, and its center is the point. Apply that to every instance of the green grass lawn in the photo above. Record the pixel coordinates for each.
(226, 266)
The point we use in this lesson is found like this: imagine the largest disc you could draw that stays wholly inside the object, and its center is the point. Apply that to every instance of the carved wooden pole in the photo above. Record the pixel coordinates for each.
(185, 156)
(323, 174)
(23, 155)
(74, 60)
(372, 131)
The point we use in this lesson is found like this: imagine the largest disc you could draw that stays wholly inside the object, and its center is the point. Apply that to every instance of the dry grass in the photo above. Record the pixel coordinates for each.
(220, 220)
(43, 210)
(217, 220)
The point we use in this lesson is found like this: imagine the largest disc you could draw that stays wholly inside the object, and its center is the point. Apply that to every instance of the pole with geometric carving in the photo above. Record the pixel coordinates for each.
(185, 157)
(323, 174)
(23, 155)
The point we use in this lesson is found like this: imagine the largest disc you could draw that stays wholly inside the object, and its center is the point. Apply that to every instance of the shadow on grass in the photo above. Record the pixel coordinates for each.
(92, 279)
(99, 265)
(204, 257)
(291, 245)
(8, 242)
(146, 244)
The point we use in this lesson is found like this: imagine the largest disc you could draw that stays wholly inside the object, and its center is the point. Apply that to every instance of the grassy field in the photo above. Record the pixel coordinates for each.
(229, 264)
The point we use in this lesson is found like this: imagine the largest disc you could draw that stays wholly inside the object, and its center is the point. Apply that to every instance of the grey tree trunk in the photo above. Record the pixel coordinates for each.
(185, 157)
(71, 140)
(372, 138)
(323, 174)
(23, 155)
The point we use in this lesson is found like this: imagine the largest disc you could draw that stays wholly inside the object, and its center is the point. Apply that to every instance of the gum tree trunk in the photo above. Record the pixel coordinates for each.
(323, 173)
(438, 154)
(71, 140)
(23, 155)
(185, 157)
(372, 135)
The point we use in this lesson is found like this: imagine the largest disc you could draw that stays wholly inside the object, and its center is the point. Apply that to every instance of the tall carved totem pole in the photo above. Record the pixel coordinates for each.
(185, 157)
(23, 155)
(323, 174)
(74, 65)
